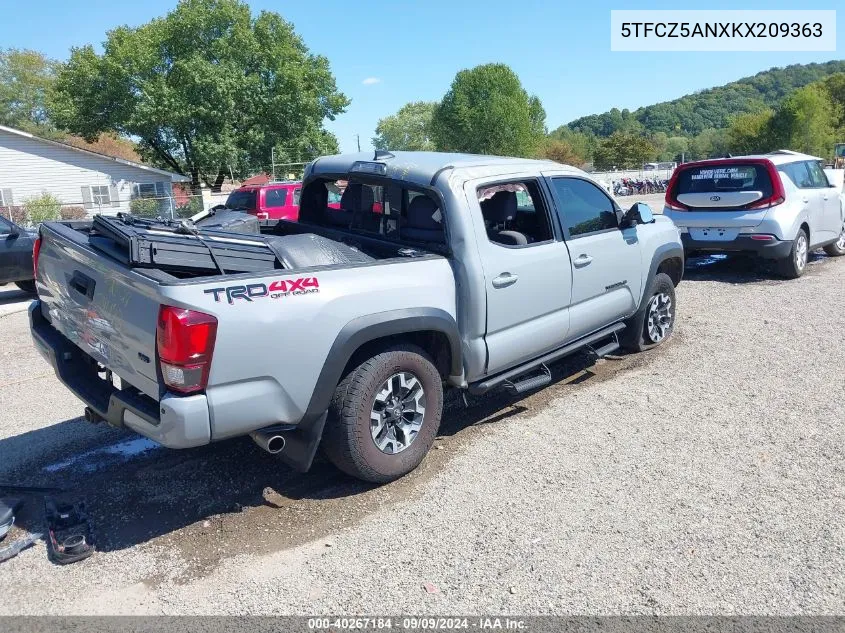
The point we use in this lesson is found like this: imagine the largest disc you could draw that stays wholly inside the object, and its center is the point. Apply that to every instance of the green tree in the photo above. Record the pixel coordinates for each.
(25, 77)
(487, 111)
(560, 152)
(805, 122)
(710, 143)
(204, 89)
(408, 129)
(835, 88)
(751, 133)
(623, 151)
(676, 149)
(582, 144)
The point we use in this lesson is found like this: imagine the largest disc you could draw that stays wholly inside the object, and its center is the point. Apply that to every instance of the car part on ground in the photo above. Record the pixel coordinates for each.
(70, 538)
(13, 549)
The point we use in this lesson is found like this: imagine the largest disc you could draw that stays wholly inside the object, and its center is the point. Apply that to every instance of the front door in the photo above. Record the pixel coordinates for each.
(606, 260)
(527, 273)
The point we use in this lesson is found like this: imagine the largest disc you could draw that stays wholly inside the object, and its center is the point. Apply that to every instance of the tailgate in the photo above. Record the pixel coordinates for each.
(100, 305)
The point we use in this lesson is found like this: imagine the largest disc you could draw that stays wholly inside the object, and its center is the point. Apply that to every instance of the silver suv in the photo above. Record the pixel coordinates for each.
(779, 206)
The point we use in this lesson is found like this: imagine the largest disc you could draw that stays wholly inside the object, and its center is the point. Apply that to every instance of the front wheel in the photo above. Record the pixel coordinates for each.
(654, 322)
(384, 415)
(837, 249)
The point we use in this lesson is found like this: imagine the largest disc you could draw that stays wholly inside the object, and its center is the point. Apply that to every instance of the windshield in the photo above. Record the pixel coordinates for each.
(243, 200)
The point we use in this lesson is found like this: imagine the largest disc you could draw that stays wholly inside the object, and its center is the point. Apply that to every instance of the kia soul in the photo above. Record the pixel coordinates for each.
(779, 206)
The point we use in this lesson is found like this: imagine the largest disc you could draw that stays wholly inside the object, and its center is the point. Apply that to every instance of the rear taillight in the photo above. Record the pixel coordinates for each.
(671, 200)
(36, 251)
(778, 192)
(185, 344)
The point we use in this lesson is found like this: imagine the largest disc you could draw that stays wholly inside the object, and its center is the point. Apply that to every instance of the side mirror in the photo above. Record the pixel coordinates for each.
(640, 213)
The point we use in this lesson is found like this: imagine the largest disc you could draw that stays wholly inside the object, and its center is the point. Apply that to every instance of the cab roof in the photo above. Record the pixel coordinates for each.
(422, 167)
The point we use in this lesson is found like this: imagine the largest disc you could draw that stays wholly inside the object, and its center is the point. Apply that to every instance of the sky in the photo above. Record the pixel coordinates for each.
(387, 53)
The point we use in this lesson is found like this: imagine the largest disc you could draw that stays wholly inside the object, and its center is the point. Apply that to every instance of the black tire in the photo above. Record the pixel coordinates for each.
(27, 286)
(637, 335)
(837, 249)
(789, 266)
(348, 441)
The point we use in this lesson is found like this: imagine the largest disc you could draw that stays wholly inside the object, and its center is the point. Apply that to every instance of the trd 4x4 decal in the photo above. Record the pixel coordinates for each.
(276, 290)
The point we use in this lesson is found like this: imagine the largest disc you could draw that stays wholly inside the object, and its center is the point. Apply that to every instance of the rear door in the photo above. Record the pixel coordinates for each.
(606, 260)
(810, 196)
(831, 215)
(528, 286)
(718, 200)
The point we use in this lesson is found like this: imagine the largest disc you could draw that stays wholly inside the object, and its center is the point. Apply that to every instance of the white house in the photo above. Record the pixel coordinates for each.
(30, 165)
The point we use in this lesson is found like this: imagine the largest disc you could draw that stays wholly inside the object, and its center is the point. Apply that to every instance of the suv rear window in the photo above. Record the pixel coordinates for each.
(241, 200)
(715, 178)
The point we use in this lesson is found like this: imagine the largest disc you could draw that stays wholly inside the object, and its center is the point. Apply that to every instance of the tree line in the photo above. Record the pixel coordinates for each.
(809, 118)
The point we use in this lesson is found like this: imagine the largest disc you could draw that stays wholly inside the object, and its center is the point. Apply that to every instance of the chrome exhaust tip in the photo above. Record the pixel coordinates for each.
(269, 440)
(92, 416)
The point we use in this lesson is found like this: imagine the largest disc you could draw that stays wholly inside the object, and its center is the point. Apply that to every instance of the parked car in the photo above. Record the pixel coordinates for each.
(273, 201)
(16, 245)
(779, 206)
(476, 273)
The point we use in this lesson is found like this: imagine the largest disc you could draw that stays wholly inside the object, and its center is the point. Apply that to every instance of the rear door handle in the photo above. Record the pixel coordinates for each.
(504, 280)
(582, 260)
(805, 200)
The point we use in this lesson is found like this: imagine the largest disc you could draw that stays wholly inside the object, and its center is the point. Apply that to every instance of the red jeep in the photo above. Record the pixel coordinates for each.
(273, 201)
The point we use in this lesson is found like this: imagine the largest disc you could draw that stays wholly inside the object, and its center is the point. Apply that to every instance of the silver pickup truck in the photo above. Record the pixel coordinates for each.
(407, 273)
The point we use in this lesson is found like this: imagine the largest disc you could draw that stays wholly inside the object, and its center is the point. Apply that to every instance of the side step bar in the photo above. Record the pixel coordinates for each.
(510, 378)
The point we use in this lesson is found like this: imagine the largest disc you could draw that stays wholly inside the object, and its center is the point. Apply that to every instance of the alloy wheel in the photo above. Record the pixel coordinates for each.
(397, 413)
(801, 252)
(659, 317)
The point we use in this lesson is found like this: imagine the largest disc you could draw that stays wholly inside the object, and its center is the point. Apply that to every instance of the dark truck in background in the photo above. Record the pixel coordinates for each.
(16, 245)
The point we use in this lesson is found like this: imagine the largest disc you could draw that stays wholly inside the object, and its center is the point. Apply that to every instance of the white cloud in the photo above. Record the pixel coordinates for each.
(371, 81)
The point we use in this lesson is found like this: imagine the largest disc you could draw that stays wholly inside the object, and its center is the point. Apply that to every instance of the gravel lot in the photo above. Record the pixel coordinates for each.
(704, 477)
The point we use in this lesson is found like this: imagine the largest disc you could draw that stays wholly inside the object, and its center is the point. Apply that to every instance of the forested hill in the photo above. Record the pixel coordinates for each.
(709, 108)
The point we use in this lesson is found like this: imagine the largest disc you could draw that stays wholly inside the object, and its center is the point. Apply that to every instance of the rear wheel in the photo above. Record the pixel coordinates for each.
(385, 415)
(795, 263)
(654, 322)
(26, 286)
(837, 249)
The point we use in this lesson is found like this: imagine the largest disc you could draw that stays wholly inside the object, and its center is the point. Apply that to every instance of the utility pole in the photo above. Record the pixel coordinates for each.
(358, 136)
(273, 163)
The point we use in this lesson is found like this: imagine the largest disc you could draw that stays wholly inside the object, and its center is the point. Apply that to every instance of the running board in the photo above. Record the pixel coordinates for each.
(508, 377)
(525, 385)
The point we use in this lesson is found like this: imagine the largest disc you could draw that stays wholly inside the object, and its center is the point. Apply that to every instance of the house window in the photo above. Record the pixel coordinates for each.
(100, 195)
(149, 190)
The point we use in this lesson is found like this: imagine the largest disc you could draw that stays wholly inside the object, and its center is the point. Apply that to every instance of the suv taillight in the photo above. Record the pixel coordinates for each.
(185, 344)
(670, 199)
(36, 251)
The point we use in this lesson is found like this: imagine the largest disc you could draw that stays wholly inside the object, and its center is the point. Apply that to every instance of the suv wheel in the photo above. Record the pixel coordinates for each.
(837, 249)
(654, 322)
(385, 415)
(27, 286)
(795, 263)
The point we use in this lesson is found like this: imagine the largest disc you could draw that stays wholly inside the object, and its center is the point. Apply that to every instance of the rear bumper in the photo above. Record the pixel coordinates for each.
(772, 249)
(174, 421)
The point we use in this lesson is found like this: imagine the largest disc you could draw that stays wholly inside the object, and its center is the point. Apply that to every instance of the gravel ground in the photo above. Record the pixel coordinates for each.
(704, 477)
